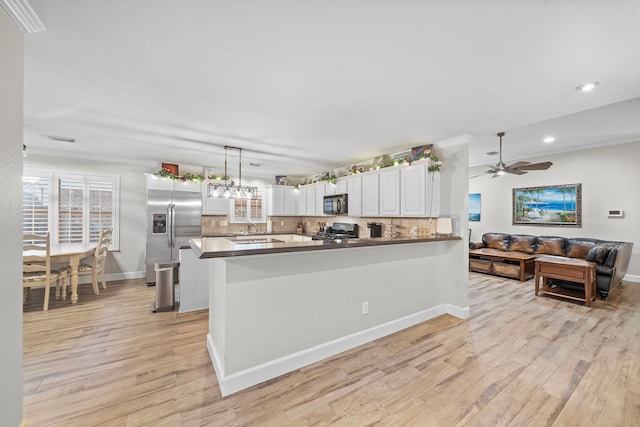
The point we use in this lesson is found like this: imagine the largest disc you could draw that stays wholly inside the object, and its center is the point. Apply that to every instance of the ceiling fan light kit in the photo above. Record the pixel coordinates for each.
(518, 168)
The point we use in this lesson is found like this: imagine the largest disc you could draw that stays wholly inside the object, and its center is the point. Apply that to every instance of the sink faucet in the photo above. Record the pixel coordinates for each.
(249, 224)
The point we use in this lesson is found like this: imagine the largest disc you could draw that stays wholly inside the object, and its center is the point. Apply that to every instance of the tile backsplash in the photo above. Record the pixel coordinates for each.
(214, 224)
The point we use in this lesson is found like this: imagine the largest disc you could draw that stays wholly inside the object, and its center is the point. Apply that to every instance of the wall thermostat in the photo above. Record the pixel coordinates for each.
(616, 213)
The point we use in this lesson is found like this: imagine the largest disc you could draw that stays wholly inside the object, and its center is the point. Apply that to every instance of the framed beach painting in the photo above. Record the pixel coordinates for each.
(554, 205)
(474, 206)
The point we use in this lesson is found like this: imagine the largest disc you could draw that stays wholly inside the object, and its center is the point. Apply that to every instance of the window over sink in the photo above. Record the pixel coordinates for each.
(251, 210)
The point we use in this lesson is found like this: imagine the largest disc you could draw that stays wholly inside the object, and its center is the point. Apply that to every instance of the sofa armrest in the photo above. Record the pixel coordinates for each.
(475, 245)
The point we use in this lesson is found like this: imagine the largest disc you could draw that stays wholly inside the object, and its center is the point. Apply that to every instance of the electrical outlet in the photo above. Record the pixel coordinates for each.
(365, 307)
(212, 223)
(282, 223)
(223, 223)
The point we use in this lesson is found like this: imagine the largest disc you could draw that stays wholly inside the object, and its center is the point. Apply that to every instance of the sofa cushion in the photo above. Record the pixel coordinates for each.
(523, 243)
(598, 254)
(496, 241)
(579, 248)
(551, 245)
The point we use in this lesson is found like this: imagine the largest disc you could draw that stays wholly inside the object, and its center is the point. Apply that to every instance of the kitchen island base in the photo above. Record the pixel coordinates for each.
(270, 314)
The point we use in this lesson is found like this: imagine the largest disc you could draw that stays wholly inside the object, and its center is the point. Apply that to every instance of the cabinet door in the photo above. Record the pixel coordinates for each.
(354, 190)
(329, 189)
(390, 192)
(341, 186)
(301, 200)
(433, 194)
(289, 205)
(320, 188)
(311, 199)
(281, 200)
(214, 205)
(413, 194)
(370, 197)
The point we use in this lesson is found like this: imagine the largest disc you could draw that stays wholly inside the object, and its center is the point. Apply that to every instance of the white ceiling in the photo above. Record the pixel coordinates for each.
(304, 86)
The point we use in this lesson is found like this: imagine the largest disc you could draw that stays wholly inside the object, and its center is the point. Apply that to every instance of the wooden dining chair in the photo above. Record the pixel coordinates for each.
(36, 266)
(97, 267)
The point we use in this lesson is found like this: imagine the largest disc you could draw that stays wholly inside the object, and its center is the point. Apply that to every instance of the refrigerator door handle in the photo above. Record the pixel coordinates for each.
(173, 225)
(170, 225)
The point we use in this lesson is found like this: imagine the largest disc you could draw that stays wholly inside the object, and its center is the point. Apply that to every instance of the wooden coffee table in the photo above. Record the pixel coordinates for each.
(569, 269)
(517, 265)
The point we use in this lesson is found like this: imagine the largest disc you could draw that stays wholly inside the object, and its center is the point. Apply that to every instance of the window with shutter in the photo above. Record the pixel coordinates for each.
(73, 208)
(70, 210)
(35, 202)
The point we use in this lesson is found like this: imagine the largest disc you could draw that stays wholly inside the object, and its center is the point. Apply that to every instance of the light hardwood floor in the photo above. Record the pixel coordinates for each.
(519, 360)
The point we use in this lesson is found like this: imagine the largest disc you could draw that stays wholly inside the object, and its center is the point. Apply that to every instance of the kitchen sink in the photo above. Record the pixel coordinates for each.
(251, 239)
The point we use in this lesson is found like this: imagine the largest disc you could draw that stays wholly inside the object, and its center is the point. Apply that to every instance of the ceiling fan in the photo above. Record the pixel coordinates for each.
(518, 168)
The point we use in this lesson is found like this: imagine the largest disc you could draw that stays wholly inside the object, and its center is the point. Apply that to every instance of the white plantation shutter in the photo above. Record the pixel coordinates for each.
(71, 194)
(35, 202)
(100, 206)
(73, 208)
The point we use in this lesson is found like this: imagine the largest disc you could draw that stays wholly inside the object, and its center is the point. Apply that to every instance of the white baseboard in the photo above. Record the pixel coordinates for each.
(631, 278)
(257, 374)
(84, 279)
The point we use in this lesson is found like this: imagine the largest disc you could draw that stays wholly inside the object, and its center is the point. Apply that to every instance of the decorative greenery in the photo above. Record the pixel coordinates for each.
(434, 163)
(186, 177)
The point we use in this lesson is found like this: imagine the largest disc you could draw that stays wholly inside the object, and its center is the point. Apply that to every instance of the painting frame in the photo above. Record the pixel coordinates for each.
(475, 207)
(170, 168)
(549, 205)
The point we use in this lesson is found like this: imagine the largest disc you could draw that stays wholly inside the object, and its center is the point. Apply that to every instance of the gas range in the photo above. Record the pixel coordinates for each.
(338, 231)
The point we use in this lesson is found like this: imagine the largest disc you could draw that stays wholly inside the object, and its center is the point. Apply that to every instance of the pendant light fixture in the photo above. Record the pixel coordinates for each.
(229, 190)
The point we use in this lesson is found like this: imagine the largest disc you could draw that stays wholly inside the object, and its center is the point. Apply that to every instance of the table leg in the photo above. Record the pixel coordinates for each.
(74, 283)
(537, 279)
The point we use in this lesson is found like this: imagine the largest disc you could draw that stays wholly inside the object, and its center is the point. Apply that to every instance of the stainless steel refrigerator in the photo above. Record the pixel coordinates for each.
(173, 217)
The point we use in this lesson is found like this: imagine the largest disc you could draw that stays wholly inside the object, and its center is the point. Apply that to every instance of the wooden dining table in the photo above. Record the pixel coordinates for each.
(72, 254)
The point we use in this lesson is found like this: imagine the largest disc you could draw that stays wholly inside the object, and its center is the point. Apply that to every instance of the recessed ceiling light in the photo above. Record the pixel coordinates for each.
(548, 140)
(587, 87)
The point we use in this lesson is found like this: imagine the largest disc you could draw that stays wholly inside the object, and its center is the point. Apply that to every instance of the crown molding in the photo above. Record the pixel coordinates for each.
(23, 14)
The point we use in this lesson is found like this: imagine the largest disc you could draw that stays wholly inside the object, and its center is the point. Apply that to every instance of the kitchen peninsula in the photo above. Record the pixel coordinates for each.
(281, 302)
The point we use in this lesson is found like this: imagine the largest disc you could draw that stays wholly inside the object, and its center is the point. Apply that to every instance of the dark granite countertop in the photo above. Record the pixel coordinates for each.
(269, 243)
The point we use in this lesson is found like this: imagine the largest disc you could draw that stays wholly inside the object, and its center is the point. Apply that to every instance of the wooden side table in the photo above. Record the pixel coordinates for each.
(570, 269)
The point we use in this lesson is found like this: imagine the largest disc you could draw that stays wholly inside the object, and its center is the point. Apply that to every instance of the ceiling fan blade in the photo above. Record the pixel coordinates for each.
(516, 165)
(536, 166)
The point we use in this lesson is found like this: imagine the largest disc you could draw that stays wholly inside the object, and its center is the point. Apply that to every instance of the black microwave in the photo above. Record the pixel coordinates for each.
(335, 204)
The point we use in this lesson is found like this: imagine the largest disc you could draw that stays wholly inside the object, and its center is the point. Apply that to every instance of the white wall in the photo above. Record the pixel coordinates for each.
(609, 177)
(11, 105)
(130, 261)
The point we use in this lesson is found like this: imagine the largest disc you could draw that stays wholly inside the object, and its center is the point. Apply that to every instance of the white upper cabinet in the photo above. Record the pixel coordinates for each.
(215, 205)
(413, 195)
(370, 194)
(354, 191)
(389, 192)
(281, 200)
(311, 199)
(301, 200)
(341, 186)
(320, 193)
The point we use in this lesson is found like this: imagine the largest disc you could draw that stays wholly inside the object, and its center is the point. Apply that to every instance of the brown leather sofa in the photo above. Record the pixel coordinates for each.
(611, 258)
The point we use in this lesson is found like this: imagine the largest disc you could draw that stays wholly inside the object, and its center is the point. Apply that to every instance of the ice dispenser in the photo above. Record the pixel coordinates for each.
(159, 223)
